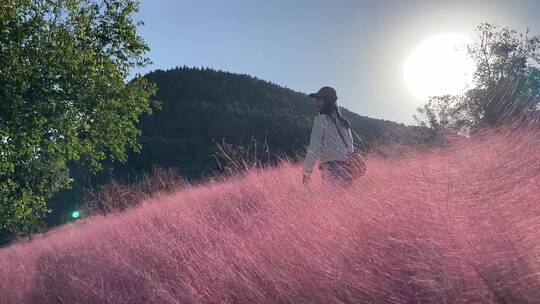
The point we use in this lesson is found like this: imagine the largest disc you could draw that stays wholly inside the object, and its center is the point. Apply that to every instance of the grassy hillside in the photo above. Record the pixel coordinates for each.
(459, 224)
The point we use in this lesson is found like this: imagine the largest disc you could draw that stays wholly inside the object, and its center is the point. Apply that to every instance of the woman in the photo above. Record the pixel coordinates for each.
(326, 144)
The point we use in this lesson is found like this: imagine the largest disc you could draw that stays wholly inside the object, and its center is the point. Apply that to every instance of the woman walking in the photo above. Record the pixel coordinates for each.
(327, 144)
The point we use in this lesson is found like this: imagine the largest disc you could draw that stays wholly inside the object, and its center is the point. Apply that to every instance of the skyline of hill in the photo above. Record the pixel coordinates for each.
(202, 105)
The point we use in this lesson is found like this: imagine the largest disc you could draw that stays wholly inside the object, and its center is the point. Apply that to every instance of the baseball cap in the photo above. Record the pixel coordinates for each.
(324, 92)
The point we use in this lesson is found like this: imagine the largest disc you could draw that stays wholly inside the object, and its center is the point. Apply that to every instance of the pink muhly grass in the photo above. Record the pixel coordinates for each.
(457, 223)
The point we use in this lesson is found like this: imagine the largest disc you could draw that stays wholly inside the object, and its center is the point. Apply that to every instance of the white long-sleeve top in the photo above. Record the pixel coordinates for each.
(325, 142)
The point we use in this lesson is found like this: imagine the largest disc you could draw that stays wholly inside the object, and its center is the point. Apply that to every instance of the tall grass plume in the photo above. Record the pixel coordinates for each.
(454, 223)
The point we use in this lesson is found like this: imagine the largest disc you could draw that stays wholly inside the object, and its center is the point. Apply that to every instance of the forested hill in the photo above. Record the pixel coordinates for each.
(201, 107)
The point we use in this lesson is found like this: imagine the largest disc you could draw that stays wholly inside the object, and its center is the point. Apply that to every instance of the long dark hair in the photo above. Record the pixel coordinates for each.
(330, 106)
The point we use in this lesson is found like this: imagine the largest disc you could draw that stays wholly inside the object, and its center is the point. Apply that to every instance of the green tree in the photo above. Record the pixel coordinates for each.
(63, 97)
(506, 83)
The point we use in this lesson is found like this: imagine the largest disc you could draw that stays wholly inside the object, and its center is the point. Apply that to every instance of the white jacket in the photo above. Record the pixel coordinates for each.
(325, 142)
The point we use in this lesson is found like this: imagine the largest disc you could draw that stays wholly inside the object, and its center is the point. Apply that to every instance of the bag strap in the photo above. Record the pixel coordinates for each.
(339, 131)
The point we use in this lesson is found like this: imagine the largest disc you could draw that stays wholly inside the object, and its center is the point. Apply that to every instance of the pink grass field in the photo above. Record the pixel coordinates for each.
(454, 224)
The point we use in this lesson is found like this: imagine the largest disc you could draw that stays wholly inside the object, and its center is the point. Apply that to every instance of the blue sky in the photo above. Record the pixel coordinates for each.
(358, 47)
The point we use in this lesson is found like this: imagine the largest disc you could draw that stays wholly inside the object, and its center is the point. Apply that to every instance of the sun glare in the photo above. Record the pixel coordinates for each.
(438, 66)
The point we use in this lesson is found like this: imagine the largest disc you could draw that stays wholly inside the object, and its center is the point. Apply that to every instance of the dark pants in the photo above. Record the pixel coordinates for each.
(334, 173)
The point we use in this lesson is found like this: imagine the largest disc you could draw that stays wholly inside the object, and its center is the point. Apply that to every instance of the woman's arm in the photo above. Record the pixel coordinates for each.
(315, 144)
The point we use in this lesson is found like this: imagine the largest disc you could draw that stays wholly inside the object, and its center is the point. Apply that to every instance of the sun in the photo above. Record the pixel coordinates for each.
(440, 65)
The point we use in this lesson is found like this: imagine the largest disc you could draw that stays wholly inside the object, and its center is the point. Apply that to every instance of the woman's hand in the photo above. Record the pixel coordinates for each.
(306, 179)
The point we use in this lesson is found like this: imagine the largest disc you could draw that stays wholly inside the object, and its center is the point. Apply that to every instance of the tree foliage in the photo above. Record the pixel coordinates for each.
(63, 96)
(506, 83)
